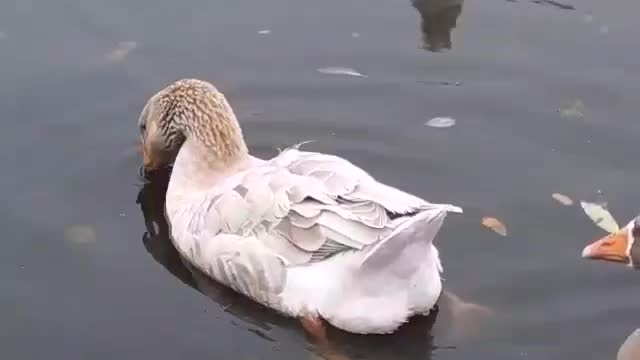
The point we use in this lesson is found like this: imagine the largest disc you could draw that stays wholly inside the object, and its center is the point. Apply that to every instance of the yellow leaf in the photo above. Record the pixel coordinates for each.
(600, 216)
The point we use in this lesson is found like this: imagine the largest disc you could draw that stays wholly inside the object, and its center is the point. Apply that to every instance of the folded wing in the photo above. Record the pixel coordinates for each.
(307, 206)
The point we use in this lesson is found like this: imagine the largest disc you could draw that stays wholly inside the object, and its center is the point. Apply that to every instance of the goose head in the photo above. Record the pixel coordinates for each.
(188, 110)
(619, 247)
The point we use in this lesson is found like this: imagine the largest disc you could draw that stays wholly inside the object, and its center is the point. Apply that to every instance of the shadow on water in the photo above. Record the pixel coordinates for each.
(413, 340)
(438, 19)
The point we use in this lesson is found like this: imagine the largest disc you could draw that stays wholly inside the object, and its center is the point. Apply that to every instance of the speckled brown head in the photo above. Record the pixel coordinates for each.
(188, 109)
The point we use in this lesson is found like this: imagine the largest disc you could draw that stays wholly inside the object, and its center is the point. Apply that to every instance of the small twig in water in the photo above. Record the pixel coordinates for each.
(556, 4)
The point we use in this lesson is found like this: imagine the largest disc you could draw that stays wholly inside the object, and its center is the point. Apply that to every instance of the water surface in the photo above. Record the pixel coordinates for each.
(502, 69)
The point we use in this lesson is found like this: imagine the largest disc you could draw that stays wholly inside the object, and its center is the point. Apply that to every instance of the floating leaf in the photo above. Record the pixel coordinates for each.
(562, 199)
(574, 110)
(264, 32)
(630, 349)
(600, 216)
(3, 35)
(557, 4)
(440, 82)
(80, 234)
(336, 70)
(355, 35)
(121, 51)
(604, 29)
(495, 225)
(441, 122)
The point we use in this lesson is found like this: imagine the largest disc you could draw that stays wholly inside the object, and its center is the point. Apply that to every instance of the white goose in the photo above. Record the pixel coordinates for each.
(307, 234)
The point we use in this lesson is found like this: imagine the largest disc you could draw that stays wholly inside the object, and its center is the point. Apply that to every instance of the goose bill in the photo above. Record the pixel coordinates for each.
(613, 248)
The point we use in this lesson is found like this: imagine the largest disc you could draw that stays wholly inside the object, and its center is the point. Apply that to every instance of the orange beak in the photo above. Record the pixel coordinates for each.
(613, 248)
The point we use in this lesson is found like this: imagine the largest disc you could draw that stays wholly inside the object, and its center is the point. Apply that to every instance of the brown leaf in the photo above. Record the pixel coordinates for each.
(562, 199)
(495, 225)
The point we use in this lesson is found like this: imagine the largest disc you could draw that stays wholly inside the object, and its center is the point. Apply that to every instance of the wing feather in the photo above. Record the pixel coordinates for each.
(306, 206)
(357, 231)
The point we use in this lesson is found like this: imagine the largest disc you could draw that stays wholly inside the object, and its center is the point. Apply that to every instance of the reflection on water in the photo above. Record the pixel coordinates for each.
(157, 242)
(413, 340)
(438, 21)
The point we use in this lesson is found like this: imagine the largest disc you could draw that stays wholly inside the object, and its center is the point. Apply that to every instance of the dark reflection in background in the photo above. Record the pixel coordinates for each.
(438, 19)
(413, 340)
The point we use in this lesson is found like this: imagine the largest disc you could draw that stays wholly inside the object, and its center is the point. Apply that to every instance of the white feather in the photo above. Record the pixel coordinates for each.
(312, 233)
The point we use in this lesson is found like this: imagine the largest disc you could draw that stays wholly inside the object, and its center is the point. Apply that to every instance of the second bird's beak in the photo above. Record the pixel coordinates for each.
(613, 248)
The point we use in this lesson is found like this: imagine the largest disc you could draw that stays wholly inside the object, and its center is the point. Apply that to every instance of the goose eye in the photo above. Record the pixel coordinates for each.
(143, 127)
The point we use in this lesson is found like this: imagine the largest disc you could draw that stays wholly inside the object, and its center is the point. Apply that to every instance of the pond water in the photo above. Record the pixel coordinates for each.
(545, 98)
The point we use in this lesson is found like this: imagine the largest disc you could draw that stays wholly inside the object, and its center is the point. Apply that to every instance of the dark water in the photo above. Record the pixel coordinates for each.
(501, 68)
